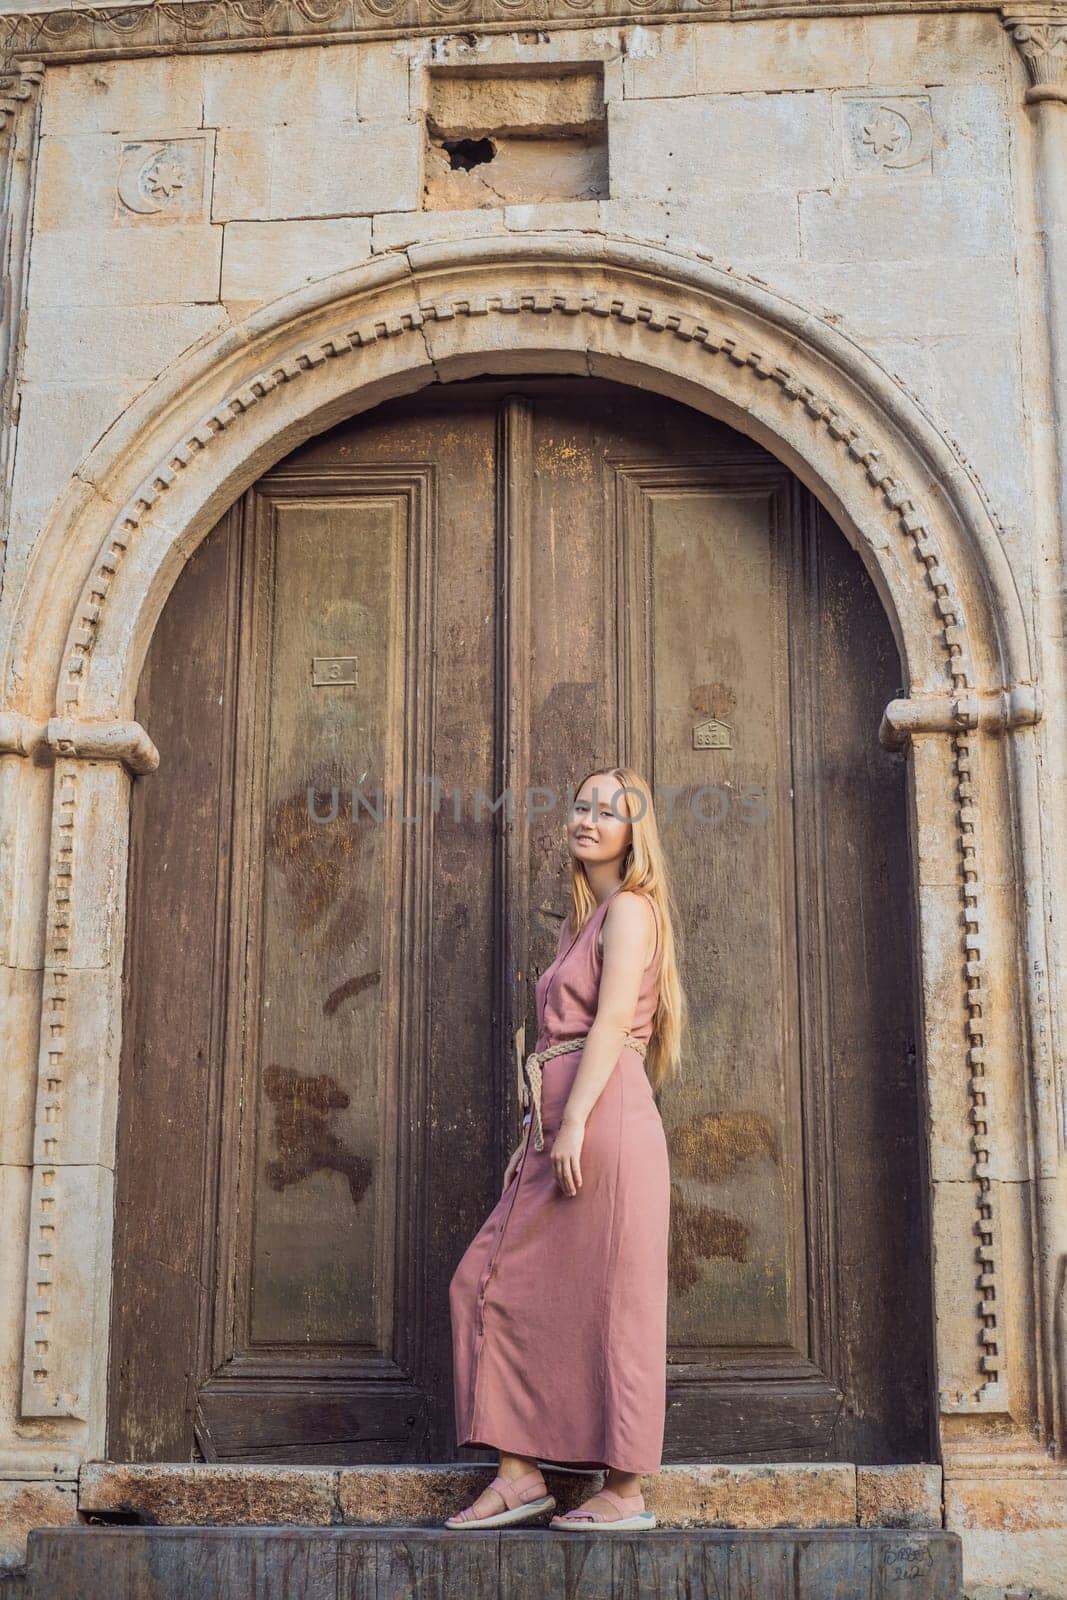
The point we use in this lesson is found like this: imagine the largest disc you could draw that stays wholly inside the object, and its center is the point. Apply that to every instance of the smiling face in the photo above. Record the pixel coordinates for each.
(601, 834)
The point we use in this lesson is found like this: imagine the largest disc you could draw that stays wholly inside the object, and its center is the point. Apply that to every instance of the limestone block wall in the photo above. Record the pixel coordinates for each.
(747, 143)
(884, 174)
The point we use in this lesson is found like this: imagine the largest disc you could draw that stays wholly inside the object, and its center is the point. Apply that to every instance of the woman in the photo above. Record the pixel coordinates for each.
(559, 1305)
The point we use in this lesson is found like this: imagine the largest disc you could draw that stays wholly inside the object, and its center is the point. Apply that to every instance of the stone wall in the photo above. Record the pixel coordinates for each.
(883, 176)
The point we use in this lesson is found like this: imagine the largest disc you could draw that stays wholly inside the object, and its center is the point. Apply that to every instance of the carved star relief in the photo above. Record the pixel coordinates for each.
(884, 134)
(164, 178)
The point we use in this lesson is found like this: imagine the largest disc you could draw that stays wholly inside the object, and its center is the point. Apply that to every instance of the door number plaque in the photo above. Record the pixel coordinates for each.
(712, 735)
(333, 669)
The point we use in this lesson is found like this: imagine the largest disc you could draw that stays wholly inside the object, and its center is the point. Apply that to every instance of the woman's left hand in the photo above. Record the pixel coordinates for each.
(566, 1154)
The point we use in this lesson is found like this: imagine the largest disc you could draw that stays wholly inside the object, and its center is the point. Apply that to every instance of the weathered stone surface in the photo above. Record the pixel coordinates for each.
(519, 103)
(67, 419)
(393, 230)
(269, 88)
(426, 1495)
(1014, 1533)
(90, 349)
(962, 377)
(177, 1564)
(156, 95)
(126, 266)
(521, 171)
(935, 49)
(31, 1505)
(815, 54)
(385, 81)
(261, 260)
(15, 1200)
(353, 169)
(20, 1009)
(875, 300)
(757, 227)
(899, 1497)
(693, 148)
(212, 1494)
(67, 1292)
(681, 1496)
(241, 181)
(911, 220)
(784, 1496)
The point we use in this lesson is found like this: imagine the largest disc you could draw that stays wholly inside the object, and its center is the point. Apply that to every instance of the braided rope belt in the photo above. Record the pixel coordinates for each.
(530, 1074)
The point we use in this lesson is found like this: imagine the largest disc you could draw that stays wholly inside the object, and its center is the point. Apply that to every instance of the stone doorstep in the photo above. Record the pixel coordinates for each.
(818, 1495)
(501, 1564)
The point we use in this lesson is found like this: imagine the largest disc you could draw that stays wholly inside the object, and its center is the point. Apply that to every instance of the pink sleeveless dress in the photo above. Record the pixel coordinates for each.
(559, 1304)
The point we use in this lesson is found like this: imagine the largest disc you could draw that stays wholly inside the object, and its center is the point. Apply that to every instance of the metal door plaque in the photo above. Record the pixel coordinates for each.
(712, 735)
(326, 670)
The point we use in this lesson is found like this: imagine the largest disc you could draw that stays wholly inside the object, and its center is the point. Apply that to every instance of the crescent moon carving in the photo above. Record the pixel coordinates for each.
(919, 144)
(131, 175)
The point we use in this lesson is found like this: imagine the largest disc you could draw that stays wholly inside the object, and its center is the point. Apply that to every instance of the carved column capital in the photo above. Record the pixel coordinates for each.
(1040, 32)
(18, 83)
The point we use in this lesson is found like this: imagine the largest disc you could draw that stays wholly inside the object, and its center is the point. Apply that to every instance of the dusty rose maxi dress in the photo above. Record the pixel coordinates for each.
(559, 1303)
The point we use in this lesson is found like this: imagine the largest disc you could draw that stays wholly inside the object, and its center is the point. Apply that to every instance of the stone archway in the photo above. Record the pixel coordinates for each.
(672, 324)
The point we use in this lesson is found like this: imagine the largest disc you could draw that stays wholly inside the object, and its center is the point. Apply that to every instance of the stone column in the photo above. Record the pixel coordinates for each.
(1040, 34)
(60, 1023)
(19, 97)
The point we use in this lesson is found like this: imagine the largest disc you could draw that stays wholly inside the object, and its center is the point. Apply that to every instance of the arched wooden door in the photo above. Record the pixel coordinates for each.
(443, 601)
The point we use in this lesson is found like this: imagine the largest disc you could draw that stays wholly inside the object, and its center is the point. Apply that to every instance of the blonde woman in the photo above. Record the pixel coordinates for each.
(559, 1304)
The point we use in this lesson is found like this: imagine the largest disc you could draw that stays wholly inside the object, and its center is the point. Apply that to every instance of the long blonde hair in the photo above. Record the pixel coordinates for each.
(646, 873)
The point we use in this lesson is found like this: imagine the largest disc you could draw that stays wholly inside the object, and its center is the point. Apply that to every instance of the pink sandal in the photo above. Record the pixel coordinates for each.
(631, 1518)
(515, 1494)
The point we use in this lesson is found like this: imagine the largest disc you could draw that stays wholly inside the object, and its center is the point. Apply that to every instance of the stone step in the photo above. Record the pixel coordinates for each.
(182, 1563)
(704, 1494)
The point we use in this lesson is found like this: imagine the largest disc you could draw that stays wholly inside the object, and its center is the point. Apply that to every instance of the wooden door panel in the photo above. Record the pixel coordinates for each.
(172, 980)
(718, 627)
(316, 1224)
(871, 1307)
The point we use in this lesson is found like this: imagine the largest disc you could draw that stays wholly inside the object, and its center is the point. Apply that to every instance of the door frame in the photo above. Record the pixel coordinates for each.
(213, 422)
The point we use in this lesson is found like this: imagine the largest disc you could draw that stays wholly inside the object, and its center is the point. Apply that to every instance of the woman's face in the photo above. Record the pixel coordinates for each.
(598, 828)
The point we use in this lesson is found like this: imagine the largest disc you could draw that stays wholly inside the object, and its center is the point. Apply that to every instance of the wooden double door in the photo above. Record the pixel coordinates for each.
(371, 687)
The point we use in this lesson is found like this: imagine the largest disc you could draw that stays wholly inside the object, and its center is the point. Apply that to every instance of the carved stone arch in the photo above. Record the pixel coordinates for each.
(725, 345)
(238, 402)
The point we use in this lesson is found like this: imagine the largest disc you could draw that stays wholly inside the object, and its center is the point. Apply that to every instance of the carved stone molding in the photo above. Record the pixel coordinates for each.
(17, 85)
(61, 737)
(96, 32)
(992, 713)
(1040, 32)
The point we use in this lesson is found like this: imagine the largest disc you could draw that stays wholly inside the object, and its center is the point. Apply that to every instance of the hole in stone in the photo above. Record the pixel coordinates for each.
(463, 154)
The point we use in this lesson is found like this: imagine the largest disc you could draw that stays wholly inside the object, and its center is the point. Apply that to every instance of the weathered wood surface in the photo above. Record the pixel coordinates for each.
(397, 1563)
